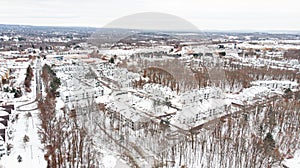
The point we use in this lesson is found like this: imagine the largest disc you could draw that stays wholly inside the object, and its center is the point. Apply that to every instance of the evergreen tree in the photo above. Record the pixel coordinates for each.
(269, 144)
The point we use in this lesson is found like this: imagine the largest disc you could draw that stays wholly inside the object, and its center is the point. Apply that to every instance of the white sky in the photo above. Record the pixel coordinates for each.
(205, 14)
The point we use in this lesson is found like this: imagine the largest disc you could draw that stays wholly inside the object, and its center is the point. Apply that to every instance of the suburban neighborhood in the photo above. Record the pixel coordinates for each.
(148, 100)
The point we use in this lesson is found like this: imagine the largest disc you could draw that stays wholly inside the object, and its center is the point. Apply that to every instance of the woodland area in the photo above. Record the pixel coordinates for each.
(66, 140)
(259, 136)
(229, 77)
(265, 136)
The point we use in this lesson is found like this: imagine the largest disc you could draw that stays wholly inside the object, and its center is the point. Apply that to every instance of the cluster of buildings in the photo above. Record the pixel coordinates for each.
(12, 76)
(276, 84)
(89, 82)
(5, 113)
(159, 91)
(78, 86)
(197, 113)
(199, 105)
(5, 109)
(120, 108)
(4, 120)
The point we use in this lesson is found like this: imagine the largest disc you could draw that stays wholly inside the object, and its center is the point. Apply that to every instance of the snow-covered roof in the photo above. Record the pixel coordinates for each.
(282, 82)
(158, 90)
(191, 110)
(252, 91)
(102, 99)
(59, 103)
(2, 126)
(3, 113)
(125, 110)
(214, 92)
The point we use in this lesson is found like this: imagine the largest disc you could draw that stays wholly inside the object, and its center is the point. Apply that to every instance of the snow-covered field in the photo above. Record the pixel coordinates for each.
(293, 162)
(32, 151)
(26, 123)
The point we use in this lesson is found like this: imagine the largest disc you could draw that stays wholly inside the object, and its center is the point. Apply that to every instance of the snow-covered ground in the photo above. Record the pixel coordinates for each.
(27, 124)
(110, 160)
(293, 162)
(31, 151)
(152, 101)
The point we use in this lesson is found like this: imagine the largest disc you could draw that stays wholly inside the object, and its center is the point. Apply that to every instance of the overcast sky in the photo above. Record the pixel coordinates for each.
(205, 14)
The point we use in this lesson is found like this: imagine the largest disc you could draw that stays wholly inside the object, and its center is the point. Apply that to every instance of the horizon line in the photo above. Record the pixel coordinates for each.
(238, 30)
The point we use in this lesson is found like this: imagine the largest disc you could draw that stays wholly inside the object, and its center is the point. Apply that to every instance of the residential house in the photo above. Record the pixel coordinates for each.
(276, 84)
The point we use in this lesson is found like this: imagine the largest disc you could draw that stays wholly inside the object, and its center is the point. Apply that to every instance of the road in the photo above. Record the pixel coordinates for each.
(37, 89)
